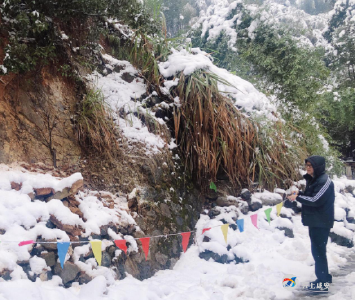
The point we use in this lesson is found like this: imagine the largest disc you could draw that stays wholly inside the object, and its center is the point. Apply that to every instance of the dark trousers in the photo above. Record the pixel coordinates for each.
(319, 238)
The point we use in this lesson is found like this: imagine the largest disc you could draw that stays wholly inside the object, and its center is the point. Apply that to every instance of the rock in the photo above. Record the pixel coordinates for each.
(68, 273)
(161, 258)
(214, 212)
(133, 204)
(268, 198)
(127, 77)
(84, 278)
(16, 186)
(245, 194)
(179, 220)
(32, 196)
(44, 191)
(106, 260)
(239, 260)
(207, 255)
(77, 211)
(60, 194)
(71, 229)
(288, 232)
(165, 210)
(50, 225)
(45, 276)
(50, 258)
(292, 205)
(223, 201)
(77, 185)
(341, 240)
(285, 216)
(49, 247)
(128, 230)
(211, 195)
(5, 274)
(255, 205)
(244, 208)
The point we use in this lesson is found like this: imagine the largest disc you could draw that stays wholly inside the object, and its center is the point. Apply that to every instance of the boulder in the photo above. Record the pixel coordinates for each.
(288, 232)
(341, 240)
(224, 201)
(44, 191)
(60, 194)
(50, 258)
(68, 273)
(207, 255)
(246, 195)
(70, 229)
(268, 198)
(77, 185)
(16, 186)
(255, 205)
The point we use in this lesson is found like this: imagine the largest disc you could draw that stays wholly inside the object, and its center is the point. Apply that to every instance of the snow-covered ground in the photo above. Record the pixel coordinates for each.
(270, 254)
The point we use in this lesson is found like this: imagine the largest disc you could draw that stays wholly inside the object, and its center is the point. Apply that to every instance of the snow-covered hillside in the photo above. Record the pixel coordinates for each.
(220, 16)
(266, 254)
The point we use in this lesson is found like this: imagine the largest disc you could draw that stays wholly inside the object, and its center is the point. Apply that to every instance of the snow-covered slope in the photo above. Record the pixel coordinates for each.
(222, 16)
(270, 255)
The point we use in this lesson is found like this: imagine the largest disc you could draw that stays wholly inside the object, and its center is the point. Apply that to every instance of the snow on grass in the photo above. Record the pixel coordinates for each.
(243, 93)
(124, 95)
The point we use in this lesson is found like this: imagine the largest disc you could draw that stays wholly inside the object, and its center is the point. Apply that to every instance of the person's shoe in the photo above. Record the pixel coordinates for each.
(330, 278)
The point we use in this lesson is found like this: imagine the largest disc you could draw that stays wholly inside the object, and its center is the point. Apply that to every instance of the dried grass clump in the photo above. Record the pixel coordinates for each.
(95, 126)
(214, 136)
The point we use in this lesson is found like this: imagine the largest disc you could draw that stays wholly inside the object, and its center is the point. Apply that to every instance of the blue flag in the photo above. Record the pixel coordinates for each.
(62, 251)
(240, 224)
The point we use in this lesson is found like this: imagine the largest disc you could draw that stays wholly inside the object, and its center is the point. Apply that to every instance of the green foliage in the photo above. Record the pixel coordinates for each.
(295, 74)
(32, 32)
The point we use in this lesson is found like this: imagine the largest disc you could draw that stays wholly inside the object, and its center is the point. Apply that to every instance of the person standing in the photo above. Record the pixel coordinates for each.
(318, 214)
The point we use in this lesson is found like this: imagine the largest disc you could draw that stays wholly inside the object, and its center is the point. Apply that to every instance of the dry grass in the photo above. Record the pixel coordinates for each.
(214, 136)
(95, 126)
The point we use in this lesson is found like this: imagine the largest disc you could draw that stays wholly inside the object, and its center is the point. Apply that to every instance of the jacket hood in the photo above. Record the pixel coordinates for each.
(318, 164)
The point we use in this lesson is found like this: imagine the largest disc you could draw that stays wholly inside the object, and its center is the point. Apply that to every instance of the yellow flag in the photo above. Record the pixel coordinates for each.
(278, 208)
(225, 231)
(96, 248)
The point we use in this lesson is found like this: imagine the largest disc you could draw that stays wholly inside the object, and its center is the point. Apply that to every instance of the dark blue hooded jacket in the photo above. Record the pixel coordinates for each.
(318, 198)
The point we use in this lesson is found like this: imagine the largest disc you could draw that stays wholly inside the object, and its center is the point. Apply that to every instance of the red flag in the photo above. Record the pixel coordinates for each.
(145, 245)
(205, 229)
(122, 245)
(185, 240)
(26, 243)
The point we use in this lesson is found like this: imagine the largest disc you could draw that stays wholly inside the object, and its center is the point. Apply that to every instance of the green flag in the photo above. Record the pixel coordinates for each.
(267, 213)
(213, 186)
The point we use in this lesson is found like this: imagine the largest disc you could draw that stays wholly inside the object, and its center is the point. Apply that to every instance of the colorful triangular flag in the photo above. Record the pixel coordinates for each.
(62, 251)
(96, 248)
(278, 208)
(122, 245)
(224, 229)
(185, 240)
(240, 224)
(254, 220)
(213, 186)
(26, 243)
(145, 245)
(267, 213)
(205, 229)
